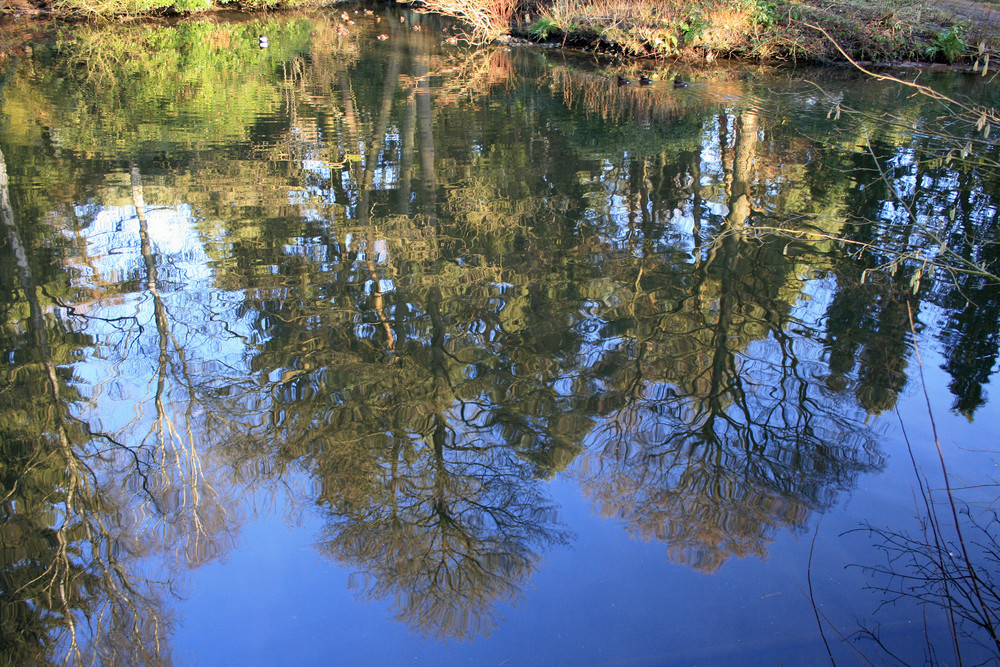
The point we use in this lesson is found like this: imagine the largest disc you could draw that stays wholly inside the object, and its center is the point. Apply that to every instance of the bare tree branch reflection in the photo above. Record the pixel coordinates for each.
(438, 280)
(708, 441)
(69, 593)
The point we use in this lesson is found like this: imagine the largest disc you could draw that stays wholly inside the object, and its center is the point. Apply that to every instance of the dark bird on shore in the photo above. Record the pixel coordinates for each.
(622, 81)
(679, 82)
(644, 80)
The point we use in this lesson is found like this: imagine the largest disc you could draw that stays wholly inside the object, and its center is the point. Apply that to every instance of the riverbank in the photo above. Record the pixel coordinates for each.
(770, 30)
(946, 31)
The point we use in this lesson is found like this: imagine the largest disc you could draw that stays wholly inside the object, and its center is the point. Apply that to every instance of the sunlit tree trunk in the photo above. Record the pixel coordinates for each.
(389, 85)
(725, 259)
(406, 141)
(59, 573)
(149, 259)
(425, 131)
(176, 447)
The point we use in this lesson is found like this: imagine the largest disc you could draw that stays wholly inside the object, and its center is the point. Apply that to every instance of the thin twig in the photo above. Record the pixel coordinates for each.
(925, 90)
(812, 599)
(987, 622)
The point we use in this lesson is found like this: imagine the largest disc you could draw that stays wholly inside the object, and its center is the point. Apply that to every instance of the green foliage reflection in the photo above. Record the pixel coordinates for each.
(426, 282)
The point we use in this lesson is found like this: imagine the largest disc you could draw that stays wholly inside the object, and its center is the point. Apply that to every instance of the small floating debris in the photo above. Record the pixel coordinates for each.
(383, 37)
(263, 42)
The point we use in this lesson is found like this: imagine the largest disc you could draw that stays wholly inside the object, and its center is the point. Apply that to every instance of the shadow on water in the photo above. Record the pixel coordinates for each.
(406, 285)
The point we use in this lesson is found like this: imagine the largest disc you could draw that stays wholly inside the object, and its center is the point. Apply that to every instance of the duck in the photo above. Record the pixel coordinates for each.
(644, 80)
(679, 82)
(622, 81)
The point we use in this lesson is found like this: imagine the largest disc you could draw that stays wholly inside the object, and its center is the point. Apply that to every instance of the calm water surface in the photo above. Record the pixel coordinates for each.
(358, 350)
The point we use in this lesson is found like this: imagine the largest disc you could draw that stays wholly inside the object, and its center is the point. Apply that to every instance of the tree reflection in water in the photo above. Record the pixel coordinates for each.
(713, 440)
(68, 592)
(439, 279)
(88, 512)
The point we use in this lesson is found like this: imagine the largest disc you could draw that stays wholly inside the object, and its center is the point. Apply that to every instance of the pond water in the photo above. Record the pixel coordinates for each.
(367, 348)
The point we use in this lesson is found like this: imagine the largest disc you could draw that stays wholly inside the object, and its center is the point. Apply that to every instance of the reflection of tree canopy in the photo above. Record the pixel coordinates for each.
(392, 392)
(711, 433)
(420, 309)
(66, 589)
(87, 510)
(449, 530)
(721, 484)
(437, 306)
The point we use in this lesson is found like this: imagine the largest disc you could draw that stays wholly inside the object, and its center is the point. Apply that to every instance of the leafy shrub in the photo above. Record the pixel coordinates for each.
(947, 46)
(542, 28)
(664, 42)
(693, 27)
(765, 13)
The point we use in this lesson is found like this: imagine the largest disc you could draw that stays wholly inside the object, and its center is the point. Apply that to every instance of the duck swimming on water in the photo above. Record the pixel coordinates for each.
(622, 81)
(679, 82)
(644, 80)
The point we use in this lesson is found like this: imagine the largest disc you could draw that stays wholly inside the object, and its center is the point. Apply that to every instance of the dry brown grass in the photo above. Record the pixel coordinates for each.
(489, 19)
(652, 27)
(768, 29)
